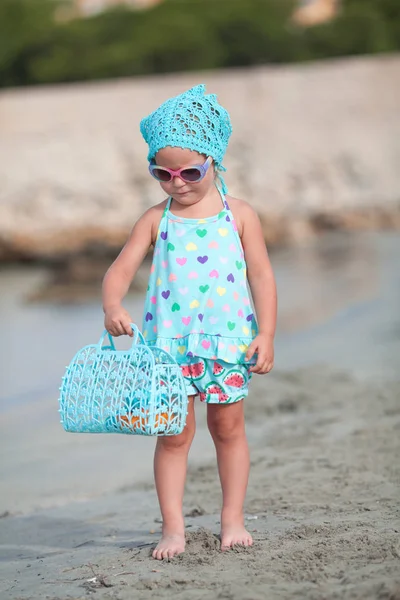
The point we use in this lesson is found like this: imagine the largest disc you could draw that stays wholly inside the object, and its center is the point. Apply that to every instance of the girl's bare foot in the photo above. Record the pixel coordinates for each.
(234, 533)
(170, 545)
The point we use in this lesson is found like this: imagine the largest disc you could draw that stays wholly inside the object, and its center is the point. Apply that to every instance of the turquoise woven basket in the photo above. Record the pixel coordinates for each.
(137, 391)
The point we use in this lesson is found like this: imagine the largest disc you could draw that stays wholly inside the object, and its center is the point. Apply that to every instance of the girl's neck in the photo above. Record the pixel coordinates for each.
(211, 204)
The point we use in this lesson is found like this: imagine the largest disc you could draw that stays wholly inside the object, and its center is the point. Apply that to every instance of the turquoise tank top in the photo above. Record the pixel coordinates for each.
(197, 301)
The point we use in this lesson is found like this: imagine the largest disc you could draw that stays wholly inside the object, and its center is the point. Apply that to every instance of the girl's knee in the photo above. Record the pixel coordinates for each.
(226, 425)
(177, 442)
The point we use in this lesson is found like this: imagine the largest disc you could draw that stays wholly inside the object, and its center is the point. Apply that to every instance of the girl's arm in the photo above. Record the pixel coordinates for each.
(263, 288)
(119, 276)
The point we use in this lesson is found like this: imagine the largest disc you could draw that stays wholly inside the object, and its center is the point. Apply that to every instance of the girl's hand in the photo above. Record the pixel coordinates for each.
(118, 321)
(263, 344)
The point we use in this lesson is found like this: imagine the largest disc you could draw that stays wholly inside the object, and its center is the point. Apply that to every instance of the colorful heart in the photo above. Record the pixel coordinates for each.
(172, 277)
(164, 235)
(193, 275)
(214, 273)
(175, 307)
(165, 294)
(231, 326)
(239, 264)
(213, 320)
(170, 247)
(231, 277)
(167, 323)
(206, 344)
(186, 320)
(201, 232)
(183, 291)
(153, 300)
(202, 259)
(240, 313)
(201, 317)
(213, 244)
(149, 317)
(226, 308)
(249, 317)
(221, 291)
(204, 288)
(181, 261)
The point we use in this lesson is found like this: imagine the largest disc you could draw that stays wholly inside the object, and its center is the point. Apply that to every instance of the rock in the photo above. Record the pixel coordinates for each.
(314, 148)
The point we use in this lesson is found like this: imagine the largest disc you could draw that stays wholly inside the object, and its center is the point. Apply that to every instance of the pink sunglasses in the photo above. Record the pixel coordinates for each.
(192, 174)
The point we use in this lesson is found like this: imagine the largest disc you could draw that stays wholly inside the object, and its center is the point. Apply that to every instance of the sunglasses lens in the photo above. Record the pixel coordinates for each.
(161, 175)
(191, 175)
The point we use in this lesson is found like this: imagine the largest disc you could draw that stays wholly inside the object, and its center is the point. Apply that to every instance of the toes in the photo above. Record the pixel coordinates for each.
(165, 553)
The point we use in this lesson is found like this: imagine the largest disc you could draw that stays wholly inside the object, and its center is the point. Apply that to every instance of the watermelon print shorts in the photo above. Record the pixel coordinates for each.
(216, 380)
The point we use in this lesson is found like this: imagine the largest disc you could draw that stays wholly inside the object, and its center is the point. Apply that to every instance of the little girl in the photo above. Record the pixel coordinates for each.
(207, 246)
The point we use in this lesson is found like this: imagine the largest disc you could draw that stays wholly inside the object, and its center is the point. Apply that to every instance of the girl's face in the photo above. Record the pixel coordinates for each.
(183, 192)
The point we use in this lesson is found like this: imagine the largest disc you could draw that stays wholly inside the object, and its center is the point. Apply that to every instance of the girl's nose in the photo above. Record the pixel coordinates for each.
(178, 182)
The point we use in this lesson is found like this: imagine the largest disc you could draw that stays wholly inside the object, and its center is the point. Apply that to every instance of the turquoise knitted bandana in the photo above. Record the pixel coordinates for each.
(192, 120)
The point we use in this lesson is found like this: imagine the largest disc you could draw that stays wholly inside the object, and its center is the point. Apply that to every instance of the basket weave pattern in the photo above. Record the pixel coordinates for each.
(136, 391)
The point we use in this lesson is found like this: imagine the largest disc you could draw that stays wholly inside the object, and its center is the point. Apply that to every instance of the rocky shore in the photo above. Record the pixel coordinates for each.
(315, 148)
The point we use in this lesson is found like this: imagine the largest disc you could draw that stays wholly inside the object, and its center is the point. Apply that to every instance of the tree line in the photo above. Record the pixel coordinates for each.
(37, 47)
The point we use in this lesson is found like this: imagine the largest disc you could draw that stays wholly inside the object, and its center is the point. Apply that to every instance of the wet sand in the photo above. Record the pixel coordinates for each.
(322, 505)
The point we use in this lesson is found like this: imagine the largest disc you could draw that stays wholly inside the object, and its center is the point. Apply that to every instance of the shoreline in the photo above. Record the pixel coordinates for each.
(93, 246)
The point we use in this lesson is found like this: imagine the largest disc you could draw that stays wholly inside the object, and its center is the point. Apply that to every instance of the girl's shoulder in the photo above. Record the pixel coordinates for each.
(241, 211)
(153, 216)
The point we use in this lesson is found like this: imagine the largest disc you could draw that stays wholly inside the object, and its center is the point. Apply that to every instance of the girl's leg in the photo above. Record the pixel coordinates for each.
(226, 425)
(170, 462)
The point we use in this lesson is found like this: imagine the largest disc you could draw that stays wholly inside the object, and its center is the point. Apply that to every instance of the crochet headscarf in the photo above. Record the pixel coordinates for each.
(192, 120)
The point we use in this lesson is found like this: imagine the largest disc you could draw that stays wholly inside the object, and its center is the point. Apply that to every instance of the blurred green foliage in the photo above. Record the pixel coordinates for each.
(176, 35)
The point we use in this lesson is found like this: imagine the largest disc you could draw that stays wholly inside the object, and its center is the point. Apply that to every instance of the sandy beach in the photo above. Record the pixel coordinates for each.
(323, 507)
(79, 515)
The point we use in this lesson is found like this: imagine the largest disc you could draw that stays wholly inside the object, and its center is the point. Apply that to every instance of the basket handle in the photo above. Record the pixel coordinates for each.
(137, 336)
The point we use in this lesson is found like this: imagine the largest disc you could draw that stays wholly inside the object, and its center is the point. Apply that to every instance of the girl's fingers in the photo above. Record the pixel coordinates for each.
(262, 367)
(267, 367)
(119, 329)
(127, 328)
(259, 364)
(250, 351)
